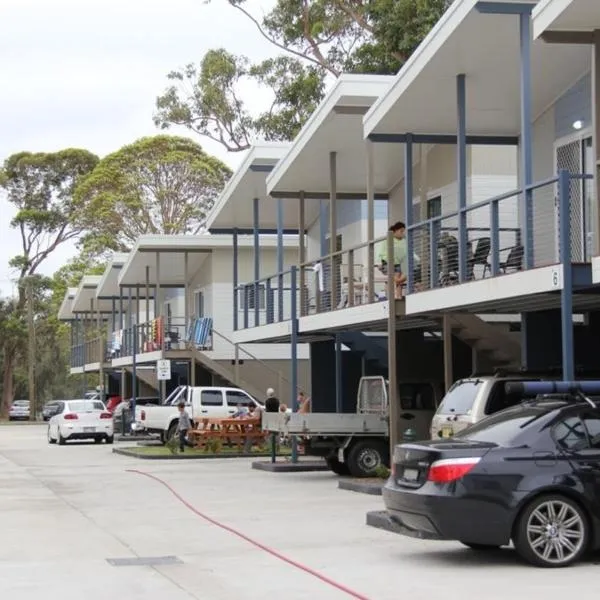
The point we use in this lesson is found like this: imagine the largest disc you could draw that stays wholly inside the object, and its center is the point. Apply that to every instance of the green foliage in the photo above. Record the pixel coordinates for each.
(157, 185)
(318, 39)
(382, 472)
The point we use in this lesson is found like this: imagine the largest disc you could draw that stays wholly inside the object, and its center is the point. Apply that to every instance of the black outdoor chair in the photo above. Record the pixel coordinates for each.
(514, 260)
(481, 257)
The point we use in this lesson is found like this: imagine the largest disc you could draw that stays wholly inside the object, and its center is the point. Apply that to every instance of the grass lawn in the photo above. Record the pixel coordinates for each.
(164, 451)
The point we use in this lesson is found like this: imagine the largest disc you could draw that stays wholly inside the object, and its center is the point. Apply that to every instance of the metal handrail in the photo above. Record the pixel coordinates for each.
(253, 357)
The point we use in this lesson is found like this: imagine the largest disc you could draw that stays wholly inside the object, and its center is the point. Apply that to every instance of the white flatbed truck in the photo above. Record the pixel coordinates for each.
(355, 444)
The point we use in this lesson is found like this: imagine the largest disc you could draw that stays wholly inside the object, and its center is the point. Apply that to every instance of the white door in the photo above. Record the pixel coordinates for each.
(572, 155)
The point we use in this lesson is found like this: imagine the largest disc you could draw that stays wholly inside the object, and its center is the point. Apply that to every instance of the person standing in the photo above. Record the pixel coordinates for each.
(272, 402)
(184, 425)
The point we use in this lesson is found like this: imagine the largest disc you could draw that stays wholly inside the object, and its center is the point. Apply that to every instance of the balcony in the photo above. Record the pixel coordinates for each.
(483, 256)
(481, 243)
(91, 352)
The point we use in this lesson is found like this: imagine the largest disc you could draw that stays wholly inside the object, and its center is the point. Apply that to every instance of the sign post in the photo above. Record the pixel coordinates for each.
(163, 370)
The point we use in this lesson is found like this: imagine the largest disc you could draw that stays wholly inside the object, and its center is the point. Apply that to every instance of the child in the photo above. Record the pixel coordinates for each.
(184, 425)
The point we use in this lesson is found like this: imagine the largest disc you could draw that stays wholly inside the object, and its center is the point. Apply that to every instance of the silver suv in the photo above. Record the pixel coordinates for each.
(470, 400)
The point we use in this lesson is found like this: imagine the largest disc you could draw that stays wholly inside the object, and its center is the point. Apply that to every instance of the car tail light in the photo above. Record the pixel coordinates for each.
(105, 415)
(451, 469)
(71, 417)
(143, 415)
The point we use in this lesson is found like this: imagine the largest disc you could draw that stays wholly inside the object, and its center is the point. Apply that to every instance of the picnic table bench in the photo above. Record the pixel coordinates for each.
(243, 432)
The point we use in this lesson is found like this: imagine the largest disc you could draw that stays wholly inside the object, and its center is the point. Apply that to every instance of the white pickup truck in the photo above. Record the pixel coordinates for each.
(215, 402)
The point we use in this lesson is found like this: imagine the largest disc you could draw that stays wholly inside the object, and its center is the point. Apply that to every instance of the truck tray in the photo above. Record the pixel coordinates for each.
(325, 424)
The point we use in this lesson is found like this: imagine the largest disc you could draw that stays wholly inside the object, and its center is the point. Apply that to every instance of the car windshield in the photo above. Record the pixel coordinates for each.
(460, 397)
(80, 406)
(21, 403)
(504, 428)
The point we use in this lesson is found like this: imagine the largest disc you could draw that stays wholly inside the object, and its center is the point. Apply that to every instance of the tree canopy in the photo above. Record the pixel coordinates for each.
(317, 40)
(157, 185)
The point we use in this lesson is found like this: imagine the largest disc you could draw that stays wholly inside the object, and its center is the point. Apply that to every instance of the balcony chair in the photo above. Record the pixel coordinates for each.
(514, 260)
(481, 257)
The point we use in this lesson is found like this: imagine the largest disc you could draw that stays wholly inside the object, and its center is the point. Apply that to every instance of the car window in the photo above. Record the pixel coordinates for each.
(504, 428)
(235, 398)
(460, 397)
(85, 406)
(499, 400)
(417, 396)
(592, 424)
(211, 398)
(570, 434)
(22, 403)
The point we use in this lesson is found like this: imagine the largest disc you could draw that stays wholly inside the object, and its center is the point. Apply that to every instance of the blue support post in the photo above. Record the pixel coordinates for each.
(269, 302)
(461, 162)
(279, 260)
(494, 238)
(246, 299)
(256, 263)
(134, 381)
(526, 137)
(338, 375)
(567, 283)
(408, 211)
(129, 321)
(235, 280)
(113, 315)
(294, 352)
(120, 308)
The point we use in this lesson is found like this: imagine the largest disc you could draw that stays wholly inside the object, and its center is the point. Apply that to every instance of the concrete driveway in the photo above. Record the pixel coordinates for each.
(65, 512)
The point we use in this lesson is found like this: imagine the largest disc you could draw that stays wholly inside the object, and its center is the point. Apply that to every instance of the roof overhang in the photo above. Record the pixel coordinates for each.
(65, 312)
(168, 252)
(552, 17)
(85, 300)
(486, 49)
(235, 206)
(336, 126)
(108, 286)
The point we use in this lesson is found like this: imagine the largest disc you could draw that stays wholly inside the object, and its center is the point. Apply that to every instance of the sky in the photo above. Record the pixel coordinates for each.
(86, 74)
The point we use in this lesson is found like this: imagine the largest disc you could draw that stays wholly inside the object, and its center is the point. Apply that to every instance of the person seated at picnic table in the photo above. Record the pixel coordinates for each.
(242, 411)
(282, 408)
(272, 402)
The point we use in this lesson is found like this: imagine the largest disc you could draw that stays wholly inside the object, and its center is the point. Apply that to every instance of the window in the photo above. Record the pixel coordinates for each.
(211, 398)
(504, 428)
(416, 396)
(199, 304)
(460, 397)
(85, 406)
(235, 398)
(570, 434)
(592, 424)
(434, 207)
(247, 297)
(499, 399)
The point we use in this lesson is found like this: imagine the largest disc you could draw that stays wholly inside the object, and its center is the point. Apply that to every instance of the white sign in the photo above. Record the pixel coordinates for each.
(163, 370)
(555, 278)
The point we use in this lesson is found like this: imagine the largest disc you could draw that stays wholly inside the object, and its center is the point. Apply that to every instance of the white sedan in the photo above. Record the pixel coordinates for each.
(81, 420)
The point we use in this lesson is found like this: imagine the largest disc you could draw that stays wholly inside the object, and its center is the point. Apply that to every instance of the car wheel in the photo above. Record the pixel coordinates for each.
(110, 439)
(339, 468)
(481, 547)
(172, 431)
(61, 440)
(365, 458)
(552, 531)
(51, 440)
(97, 440)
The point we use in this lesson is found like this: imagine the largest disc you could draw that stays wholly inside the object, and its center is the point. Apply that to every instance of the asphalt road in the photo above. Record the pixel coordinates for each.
(66, 512)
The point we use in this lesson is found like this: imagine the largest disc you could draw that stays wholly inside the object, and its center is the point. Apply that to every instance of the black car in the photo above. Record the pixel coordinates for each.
(50, 409)
(530, 474)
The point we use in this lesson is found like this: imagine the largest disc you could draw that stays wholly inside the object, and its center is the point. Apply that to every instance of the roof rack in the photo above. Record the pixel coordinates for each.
(577, 389)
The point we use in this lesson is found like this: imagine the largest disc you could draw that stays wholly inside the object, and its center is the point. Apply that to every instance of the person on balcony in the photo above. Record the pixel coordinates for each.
(400, 258)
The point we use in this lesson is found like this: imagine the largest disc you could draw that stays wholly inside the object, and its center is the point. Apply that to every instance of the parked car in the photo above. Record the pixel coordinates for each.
(530, 474)
(50, 409)
(81, 420)
(19, 411)
(215, 402)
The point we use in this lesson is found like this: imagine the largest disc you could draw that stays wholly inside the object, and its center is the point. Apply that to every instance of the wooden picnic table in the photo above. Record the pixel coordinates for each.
(243, 432)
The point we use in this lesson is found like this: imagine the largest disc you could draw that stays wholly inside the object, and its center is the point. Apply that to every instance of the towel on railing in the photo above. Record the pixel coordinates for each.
(200, 331)
(318, 269)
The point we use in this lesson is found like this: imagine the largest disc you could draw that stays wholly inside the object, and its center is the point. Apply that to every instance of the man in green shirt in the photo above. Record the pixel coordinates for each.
(400, 256)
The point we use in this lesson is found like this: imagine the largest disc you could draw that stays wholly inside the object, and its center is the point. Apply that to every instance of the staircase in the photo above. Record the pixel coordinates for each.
(501, 347)
(147, 382)
(227, 373)
(370, 347)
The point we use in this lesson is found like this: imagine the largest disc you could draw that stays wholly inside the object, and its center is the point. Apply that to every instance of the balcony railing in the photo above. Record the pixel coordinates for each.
(148, 337)
(90, 352)
(484, 239)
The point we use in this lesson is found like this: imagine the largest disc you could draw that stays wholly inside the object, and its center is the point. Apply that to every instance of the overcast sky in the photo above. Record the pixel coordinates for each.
(86, 74)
